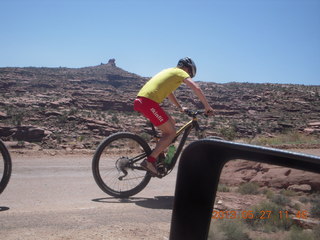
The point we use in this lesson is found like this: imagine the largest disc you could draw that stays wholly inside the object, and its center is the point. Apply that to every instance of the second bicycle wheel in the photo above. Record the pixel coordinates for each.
(5, 166)
(116, 165)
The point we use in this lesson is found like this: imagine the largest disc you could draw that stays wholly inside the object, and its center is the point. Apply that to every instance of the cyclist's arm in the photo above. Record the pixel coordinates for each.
(197, 90)
(174, 100)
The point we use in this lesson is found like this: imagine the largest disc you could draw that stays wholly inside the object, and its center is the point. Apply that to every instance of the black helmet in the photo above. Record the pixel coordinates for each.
(187, 62)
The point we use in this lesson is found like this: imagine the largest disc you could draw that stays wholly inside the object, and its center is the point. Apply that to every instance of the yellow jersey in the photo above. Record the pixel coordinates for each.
(162, 84)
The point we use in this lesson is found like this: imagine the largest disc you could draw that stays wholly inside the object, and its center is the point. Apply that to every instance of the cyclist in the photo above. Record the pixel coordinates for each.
(159, 87)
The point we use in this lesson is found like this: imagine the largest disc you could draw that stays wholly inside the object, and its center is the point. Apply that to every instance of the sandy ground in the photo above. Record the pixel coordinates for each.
(56, 197)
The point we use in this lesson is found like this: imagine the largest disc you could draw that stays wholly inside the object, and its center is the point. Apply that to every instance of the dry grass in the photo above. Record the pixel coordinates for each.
(290, 138)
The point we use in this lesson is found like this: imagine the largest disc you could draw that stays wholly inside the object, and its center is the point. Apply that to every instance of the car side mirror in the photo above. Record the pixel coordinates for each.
(198, 176)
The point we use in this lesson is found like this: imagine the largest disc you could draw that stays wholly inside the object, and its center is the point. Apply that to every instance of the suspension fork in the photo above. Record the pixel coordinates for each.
(199, 131)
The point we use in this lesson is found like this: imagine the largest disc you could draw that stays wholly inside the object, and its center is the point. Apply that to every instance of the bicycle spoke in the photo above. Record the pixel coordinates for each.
(119, 172)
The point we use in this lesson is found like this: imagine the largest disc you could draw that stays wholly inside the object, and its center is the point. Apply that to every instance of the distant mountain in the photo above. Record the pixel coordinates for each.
(77, 107)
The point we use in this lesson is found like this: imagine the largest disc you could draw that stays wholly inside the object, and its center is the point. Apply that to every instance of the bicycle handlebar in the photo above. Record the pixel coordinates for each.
(194, 113)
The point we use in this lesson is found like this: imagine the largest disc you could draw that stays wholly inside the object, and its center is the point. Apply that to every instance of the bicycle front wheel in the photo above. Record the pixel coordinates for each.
(5, 166)
(116, 165)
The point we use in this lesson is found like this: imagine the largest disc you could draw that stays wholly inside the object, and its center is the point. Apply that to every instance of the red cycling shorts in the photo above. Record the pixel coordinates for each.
(151, 110)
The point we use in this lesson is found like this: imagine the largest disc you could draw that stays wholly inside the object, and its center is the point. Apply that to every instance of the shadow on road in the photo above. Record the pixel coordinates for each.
(158, 202)
(2, 209)
(118, 200)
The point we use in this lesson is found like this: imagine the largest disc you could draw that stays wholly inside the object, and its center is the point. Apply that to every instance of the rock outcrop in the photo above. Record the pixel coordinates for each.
(269, 176)
(64, 100)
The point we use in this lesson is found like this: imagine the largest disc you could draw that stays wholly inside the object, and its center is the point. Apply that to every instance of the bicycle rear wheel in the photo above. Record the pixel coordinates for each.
(116, 165)
(5, 166)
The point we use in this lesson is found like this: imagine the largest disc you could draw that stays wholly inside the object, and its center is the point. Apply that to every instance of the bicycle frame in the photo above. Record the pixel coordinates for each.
(185, 129)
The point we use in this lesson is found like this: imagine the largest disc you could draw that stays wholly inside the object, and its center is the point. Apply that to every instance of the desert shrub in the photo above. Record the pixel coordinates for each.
(213, 124)
(249, 188)
(228, 230)
(298, 234)
(304, 199)
(291, 137)
(288, 193)
(315, 208)
(115, 119)
(281, 200)
(234, 230)
(296, 206)
(228, 133)
(63, 118)
(315, 197)
(17, 117)
(267, 217)
(73, 111)
(223, 188)
(57, 136)
(316, 232)
(81, 138)
(269, 193)
(215, 233)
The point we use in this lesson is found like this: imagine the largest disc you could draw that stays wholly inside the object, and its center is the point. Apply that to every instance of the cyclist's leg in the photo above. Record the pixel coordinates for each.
(161, 120)
(168, 133)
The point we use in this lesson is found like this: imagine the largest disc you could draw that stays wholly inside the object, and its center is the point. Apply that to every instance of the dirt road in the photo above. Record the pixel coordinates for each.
(55, 197)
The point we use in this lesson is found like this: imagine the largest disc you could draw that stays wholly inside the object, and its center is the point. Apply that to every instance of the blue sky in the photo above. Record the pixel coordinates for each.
(275, 41)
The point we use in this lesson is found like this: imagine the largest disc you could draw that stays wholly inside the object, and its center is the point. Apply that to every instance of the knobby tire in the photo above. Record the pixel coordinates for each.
(5, 166)
(105, 165)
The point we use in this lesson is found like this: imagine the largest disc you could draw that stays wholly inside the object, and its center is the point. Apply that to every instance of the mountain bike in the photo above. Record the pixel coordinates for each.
(5, 166)
(116, 162)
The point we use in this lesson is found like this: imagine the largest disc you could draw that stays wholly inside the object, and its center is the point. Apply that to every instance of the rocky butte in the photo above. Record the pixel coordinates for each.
(77, 107)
